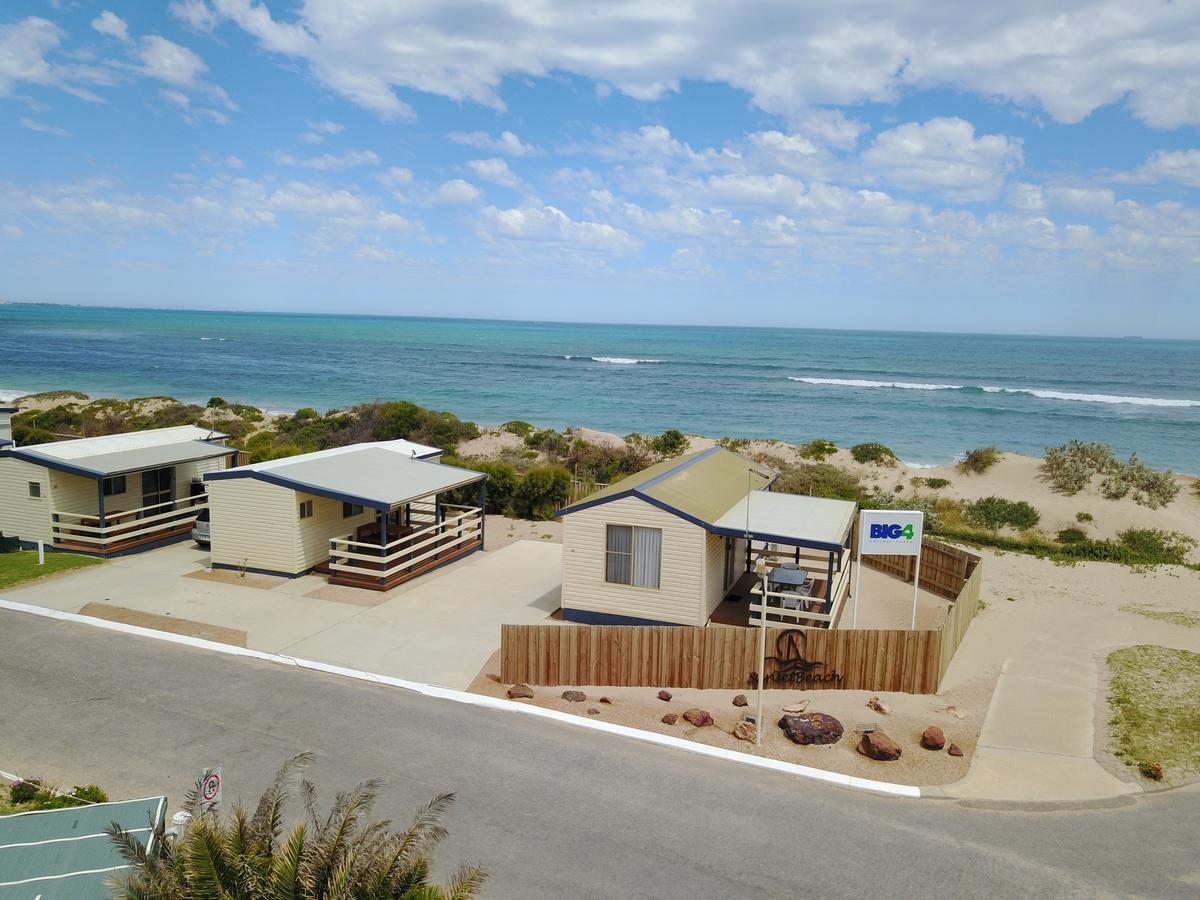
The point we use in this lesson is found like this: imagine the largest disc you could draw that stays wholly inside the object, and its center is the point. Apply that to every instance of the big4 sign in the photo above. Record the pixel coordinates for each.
(890, 532)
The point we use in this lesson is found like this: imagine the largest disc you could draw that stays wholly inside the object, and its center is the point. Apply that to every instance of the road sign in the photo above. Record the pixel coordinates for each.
(210, 790)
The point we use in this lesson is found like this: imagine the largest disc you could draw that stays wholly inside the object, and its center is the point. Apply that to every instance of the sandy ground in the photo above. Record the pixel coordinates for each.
(500, 531)
(490, 443)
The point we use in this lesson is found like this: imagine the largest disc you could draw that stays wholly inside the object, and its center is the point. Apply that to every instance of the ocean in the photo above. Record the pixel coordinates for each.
(928, 396)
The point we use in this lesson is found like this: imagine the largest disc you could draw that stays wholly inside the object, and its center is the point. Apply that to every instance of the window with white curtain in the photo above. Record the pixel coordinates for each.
(633, 555)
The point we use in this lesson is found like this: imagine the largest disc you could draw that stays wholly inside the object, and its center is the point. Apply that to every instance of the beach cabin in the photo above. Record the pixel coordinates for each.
(6, 414)
(111, 494)
(370, 515)
(679, 543)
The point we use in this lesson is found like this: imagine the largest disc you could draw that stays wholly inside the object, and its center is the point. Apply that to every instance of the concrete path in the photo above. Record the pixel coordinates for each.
(1037, 742)
(440, 628)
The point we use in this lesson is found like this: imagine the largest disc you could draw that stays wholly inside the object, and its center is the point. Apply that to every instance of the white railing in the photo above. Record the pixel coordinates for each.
(793, 608)
(384, 562)
(122, 527)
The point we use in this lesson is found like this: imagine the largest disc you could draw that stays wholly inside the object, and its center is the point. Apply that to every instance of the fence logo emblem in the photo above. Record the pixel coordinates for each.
(791, 667)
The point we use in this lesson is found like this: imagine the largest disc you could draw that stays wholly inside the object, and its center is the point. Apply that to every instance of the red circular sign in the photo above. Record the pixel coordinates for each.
(211, 786)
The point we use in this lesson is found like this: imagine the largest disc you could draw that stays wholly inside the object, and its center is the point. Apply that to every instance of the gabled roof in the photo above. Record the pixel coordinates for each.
(699, 487)
(116, 454)
(378, 475)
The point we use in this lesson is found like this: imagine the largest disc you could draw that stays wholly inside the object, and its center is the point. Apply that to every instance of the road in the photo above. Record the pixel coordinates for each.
(550, 810)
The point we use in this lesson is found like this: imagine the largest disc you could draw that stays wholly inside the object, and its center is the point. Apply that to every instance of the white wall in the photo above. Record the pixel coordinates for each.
(21, 515)
(326, 522)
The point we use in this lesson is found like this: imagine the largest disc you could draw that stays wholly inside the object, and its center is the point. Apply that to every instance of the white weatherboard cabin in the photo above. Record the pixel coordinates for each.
(6, 414)
(669, 544)
(111, 494)
(371, 515)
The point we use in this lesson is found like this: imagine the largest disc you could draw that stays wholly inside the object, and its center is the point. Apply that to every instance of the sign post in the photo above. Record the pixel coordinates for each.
(210, 790)
(760, 569)
(889, 532)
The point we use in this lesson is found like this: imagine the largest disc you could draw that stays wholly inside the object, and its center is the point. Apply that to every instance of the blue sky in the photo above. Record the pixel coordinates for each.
(877, 165)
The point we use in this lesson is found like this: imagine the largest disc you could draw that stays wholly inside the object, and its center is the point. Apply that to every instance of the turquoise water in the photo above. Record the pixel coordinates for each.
(929, 396)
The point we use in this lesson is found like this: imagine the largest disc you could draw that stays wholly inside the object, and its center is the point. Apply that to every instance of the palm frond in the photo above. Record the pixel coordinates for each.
(467, 882)
(267, 822)
(131, 849)
(285, 868)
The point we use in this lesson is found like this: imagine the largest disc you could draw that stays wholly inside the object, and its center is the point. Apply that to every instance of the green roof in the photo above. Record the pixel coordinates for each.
(702, 485)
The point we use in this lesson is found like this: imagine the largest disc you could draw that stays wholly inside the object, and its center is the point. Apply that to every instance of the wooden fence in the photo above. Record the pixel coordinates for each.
(581, 488)
(681, 656)
(944, 569)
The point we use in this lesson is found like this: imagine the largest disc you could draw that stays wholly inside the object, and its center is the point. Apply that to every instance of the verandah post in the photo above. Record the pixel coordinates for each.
(100, 509)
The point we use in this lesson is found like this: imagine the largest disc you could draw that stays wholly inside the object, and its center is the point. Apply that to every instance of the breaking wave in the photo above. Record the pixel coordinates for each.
(615, 360)
(1033, 392)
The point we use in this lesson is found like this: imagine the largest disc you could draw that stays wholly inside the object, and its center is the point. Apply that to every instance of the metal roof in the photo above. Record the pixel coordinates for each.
(81, 448)
(369, 475)
(789, 518)
(125, 461)
(61, 854)
(407, 449)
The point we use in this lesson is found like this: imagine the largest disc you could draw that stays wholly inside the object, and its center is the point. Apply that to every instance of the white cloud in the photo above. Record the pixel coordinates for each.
(777, 142)
(458, 191)
(551, 225)
(11, 232)
(1068, 60)
(33, 125)
(23, 48)
(318, 131)
(830, 126)
(170, 62)
(507, 143)
(396, 177)
(1170, 166)
(330, 162)
(196, 14)
(945, 156)
(301, 197)
(111, 24)
(233, 162)
(495, 171)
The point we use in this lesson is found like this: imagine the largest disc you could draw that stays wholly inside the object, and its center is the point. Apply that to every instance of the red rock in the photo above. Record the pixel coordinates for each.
(698, 717)
(745, 730)
(740, 700)
(520, 692)
(574, 696)
(812, 728)
(669, 719)
(877, 745)
(954, 750)
(878, 705)
(664, 695)
(933, 738)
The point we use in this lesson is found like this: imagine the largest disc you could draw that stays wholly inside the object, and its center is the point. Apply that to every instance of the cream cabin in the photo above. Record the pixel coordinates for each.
(6, 414)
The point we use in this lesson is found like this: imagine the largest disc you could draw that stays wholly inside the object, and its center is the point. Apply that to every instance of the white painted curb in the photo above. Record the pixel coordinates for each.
(430, 690)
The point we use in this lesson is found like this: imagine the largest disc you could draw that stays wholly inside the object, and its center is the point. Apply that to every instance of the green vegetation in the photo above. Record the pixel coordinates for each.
(1071, 536)
(979, 460)
(22, 566)
(1084, 517)
(216, 403)
(819, 479)
(1174, 616)
(517, 427)
(1131, 548)
(733, 444)
(820, 449)
(1155, 700)
(542, 492)
(50, 395)
(994, 513)
(325, 855)
(501, 485)
(873, 453)
(34, 794)
(671, 442)
(935, 483)
(1070, 469)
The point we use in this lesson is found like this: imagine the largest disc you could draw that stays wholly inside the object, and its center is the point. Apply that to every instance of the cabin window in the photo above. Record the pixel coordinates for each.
(114, 485)
(633, 555)
(35, 489)
(351, 509)
(306, 509)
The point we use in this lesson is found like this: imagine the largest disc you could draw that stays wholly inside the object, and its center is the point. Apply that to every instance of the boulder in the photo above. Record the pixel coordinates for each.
(745, 730)
(878, 705)
(933, 738)
(669, 719)
(698, 717)
(592, 711)
(954, 750)
(877, 745)
(520, 692)
(740, 700)
(664, 695)
(796, 708)
(812, 728)
(574, 696)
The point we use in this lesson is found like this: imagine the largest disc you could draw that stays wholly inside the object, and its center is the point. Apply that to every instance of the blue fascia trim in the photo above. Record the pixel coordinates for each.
(58, 465)
(256, 571)
(778, 539)
(5, 443)
(588, 617)
(588, 504)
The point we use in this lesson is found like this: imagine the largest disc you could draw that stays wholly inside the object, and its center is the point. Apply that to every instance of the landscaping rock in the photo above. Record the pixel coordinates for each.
(592, 711)
(954, 750)
(670, 719)
(574, 696)
(796, 708)
(812, 728)
(698, 717)
(740, 700)
(933, 738)
(664, 695)
(878, 705)
(606, 699)
(745, 730)
(877, 745)
(520, 692)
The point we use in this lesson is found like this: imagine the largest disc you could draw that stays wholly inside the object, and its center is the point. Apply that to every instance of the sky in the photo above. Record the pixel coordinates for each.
(1023, 167)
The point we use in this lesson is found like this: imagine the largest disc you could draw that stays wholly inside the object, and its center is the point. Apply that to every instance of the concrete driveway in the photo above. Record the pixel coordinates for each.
(440, 628)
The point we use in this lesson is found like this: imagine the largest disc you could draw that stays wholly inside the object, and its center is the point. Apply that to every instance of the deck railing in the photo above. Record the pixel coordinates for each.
(460, 526)
(792, 608)
(122, 528)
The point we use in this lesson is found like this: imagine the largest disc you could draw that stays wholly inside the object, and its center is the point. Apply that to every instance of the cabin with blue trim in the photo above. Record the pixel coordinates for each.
(680, 543)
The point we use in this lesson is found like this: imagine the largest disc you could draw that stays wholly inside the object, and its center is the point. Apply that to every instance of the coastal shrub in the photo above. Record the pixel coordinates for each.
(1149, 487)
(930, 506)
(671, 442)
(603, 465)
(873, 453)
(542, 492)
(1070, 536)
(1070, 467)
(819, 480)
(1155, 543)
(934, 483)
(733, 444)
(305, 413)
(501, 484)
(50, 395)
(1082, 517)
(23, 791)
(994, 513)
(216, 403)
(1171, 548)
(979, 460)
(65, 419)
(517, 427)
(245, 412)
(553, 443)
(820, 450)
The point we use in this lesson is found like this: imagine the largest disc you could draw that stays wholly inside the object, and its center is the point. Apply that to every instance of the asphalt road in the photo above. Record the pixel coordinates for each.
(550, 810)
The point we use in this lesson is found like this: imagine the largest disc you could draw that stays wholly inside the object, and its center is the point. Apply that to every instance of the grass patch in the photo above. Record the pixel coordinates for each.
(1174, 616)
(1155, 700)
(22, 566)
(873, 453)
